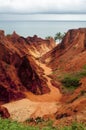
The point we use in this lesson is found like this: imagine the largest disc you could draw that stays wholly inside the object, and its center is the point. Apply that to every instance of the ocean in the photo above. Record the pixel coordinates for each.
(40, 28)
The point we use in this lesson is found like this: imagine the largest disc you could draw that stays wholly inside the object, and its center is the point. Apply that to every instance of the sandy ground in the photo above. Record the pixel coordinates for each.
(24, 109)
(36, 105)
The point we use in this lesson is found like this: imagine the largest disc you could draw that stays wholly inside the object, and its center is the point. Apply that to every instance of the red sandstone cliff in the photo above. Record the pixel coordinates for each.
(69, 57)
(70, 53)
(18, 69)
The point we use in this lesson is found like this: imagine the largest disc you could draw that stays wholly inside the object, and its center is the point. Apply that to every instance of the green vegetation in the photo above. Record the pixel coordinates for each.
(41, 123)
(6, 124)
(59, 36)
(72, 81)
(84, 67)
(39, 119)
(48, 125)
(74, 126)
(36, 120)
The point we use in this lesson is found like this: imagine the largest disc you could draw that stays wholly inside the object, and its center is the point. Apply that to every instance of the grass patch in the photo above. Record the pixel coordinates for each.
(43, 124)
(72, 81)
(6, 124)
(74, 126)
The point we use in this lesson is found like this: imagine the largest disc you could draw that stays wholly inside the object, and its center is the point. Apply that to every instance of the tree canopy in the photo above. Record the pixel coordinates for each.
(59, 36)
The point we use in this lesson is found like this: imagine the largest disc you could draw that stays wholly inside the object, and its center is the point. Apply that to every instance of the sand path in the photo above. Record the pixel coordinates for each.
(53, 95)
(36, 105)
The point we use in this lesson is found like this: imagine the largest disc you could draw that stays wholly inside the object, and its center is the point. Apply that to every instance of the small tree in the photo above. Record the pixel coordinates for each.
(58, 36)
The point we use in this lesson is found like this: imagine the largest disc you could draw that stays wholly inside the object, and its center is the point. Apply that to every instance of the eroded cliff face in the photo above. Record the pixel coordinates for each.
(69, 57)
(18, 70)
(35, 45)
(30, 79)
(69, 52)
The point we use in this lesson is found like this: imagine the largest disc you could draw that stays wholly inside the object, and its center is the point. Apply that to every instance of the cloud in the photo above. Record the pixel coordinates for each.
(43, 6)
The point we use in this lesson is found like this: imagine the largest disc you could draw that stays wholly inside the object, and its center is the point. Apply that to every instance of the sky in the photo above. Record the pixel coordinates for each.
(42, 9)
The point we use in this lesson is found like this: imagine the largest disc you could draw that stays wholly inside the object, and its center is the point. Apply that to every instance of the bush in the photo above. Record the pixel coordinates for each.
(36, 120)
(39, 119)
(30, 120)
(71, 81)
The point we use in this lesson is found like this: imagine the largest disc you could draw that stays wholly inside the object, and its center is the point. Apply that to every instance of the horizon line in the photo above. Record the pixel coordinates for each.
(42, 20)
(44, 13)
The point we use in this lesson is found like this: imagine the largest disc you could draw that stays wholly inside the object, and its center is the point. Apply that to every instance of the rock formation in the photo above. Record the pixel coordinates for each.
(66, 58)
(4, 112)
(69, 52)
(18, 70)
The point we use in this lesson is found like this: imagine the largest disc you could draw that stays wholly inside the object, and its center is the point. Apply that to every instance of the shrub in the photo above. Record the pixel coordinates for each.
(71, 81)
(39, 119)
(36, 120)
(30, 120)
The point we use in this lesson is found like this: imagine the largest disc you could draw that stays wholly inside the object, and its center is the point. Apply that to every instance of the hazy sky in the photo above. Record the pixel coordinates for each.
(21, 7)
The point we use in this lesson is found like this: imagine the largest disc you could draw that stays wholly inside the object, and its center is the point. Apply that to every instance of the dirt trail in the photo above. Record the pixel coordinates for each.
(36, 105)
(53, 95)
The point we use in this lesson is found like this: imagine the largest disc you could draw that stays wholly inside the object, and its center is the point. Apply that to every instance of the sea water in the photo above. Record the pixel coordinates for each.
(40, 28)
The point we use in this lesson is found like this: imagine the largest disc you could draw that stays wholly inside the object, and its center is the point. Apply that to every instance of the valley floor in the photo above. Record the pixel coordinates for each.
(36, 105)
(24, 109)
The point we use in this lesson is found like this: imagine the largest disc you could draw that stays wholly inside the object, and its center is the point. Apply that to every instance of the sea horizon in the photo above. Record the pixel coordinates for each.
(41, 28)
